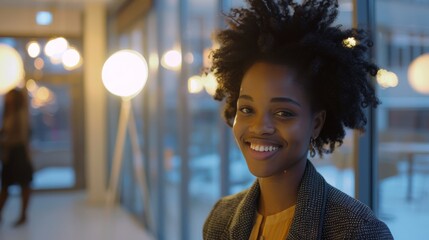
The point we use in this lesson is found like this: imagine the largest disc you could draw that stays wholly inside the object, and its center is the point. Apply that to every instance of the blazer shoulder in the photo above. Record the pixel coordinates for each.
(220, 215)
(340, 202)
(352, 217)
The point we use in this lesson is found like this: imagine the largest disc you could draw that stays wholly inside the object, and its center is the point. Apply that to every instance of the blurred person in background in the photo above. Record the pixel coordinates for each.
(14, 151)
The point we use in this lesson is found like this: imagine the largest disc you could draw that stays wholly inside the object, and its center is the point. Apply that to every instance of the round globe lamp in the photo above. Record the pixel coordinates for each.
(418, 74)
(125, 73)
(11, 68)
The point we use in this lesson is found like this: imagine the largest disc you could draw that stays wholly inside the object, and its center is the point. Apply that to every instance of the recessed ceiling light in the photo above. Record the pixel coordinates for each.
(44, 18)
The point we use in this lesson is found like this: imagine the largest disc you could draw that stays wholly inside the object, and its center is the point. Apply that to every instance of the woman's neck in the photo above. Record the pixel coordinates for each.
(280, 192)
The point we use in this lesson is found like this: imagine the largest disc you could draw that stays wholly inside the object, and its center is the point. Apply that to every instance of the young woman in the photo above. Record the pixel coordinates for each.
(291, 84)
(14, 145)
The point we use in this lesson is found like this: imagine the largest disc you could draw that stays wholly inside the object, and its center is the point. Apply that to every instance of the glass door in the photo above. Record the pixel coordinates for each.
(56, 114)
(56, 153)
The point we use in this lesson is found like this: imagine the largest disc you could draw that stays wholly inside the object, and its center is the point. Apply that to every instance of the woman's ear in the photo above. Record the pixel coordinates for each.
(318, 122)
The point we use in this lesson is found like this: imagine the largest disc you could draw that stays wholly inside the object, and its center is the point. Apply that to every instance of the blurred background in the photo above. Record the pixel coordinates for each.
(190, 158)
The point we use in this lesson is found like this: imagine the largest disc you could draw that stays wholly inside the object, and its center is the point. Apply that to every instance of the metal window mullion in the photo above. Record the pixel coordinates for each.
(160, 196)
(366, 164)
(146, 136)
(224, 144)
(184, 132)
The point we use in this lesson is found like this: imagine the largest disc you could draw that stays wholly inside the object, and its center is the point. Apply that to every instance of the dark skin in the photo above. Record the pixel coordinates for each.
(273, 127)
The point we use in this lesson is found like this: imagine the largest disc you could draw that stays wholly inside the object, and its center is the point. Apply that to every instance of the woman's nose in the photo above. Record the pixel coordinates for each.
(262, 125)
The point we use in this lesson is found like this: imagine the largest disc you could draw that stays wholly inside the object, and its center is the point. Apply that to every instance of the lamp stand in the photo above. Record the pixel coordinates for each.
(126, 118)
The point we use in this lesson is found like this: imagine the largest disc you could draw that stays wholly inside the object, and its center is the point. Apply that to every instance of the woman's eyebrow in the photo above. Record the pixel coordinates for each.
(285, 99)
(276, 99)
(246, 97)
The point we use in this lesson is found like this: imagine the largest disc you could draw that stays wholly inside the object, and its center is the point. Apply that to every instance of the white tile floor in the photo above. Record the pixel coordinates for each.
(67, 216)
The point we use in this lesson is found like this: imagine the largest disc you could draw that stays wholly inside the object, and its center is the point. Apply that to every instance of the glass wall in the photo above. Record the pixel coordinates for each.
(338, 168)
(402, 35)
(181, 128)
(190, 158)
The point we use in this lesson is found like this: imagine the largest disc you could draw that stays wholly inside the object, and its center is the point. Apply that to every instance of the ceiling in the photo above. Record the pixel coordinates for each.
(57, 3)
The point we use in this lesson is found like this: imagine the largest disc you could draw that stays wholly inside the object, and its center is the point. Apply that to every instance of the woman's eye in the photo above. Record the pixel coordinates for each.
(245, 110)
(284, 114)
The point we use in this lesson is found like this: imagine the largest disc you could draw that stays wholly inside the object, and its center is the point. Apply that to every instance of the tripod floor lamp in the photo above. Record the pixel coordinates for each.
(125, 74)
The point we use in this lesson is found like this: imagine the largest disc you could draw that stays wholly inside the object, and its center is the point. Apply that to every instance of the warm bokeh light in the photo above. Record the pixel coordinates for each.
(11, 68)
(125, 73)
(39, 63)
(31, 86)
(33, 49)
(56, 47)
(56, 59)
(172, 60)
(189, 58)
(210, 83)
(43, 94)
(350, 42)
(71, 59)
(195, 84)
(386, 78)
(418, 74)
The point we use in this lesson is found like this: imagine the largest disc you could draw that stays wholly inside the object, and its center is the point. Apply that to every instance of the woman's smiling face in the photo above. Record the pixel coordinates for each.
(274, 122)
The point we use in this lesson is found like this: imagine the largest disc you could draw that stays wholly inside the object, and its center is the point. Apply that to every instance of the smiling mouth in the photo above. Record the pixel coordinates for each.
(263, 147)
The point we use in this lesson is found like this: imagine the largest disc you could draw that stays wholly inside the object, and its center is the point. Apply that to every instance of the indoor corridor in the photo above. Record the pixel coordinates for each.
(69, 216)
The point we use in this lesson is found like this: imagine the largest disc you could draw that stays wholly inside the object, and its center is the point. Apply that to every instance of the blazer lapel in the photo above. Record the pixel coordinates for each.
(242, 221)
(310, 207)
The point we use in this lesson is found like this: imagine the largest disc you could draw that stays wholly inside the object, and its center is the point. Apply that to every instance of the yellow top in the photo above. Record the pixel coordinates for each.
(275, 226)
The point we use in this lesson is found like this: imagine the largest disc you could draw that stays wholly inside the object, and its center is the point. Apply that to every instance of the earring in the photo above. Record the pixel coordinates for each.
(312, 147)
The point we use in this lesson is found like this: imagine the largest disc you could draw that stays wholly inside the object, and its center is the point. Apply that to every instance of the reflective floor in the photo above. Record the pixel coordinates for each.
(68, 216)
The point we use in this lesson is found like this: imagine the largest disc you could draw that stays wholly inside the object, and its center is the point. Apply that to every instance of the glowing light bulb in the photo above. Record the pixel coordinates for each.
(194, 84)
(125, 73)
(11, 68)
(350, 42)
(171, 60)
(386, 78)
(71, 59)
(31, 86)
(33, 49)
(418, 74)
(56, 47)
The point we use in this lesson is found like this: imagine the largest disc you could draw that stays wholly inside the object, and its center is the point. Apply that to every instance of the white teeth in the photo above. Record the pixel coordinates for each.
(260, 148)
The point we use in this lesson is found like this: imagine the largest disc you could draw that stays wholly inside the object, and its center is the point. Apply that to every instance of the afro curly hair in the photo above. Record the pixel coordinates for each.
(331, 63)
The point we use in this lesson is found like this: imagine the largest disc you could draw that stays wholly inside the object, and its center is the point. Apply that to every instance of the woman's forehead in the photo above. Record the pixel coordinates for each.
(269, 79)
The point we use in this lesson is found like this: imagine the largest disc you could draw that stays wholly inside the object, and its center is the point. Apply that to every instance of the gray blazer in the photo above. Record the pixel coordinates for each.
(322, 212)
